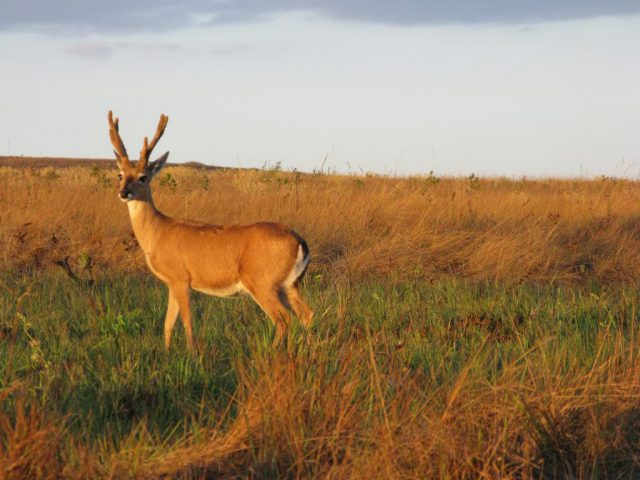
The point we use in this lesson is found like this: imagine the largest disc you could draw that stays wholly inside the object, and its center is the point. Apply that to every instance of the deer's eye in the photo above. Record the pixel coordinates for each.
(120, 176)
(142, 178)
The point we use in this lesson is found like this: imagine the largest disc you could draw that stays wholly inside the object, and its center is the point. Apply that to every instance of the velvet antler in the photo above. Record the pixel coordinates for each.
(147, 147)
(116, 141)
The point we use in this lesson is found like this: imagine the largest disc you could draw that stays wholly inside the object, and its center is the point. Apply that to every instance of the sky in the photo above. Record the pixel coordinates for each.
(404, 87)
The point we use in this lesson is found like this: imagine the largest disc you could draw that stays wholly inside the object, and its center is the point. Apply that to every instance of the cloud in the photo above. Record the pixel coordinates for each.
(98, 51)
(73, 16)
(231, 49)
(146, 46)
(87, 16)
(101, 51)
(415, 12)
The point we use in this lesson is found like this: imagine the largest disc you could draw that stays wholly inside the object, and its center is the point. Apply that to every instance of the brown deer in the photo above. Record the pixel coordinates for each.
(264, 260)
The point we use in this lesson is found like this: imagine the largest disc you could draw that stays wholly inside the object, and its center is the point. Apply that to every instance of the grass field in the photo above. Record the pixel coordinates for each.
(465, 328)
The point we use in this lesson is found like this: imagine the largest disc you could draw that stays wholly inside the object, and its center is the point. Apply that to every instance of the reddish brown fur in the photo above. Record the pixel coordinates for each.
(261, 259)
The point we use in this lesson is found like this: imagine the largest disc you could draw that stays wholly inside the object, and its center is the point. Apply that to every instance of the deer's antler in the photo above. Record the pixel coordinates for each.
(147, 147)
(116, 141)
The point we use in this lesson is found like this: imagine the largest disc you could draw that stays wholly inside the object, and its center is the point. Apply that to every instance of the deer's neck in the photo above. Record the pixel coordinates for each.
(146, 221)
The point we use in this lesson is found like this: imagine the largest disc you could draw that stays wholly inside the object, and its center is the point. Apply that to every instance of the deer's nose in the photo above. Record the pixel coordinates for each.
(124, 194)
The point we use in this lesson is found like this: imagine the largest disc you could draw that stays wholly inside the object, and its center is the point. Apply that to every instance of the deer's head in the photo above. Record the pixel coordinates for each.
(135, 178)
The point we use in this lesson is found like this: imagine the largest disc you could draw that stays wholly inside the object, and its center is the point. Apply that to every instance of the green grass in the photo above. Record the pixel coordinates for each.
(92, 357)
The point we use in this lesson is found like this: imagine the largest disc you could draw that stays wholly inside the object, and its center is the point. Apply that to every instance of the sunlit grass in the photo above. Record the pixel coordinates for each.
(436, 373)
(366, 227)
(464, 328)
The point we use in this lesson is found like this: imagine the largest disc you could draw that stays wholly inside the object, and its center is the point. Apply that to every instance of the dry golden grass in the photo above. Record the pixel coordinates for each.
(30, 449)
(529, 423)
(356, 226)
(396, 380)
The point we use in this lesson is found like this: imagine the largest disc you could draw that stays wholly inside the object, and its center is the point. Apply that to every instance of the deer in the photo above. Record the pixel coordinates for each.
(264, 260)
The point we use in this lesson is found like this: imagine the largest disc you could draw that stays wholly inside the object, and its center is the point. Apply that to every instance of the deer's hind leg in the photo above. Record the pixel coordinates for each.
(301, 309)
(271, 303)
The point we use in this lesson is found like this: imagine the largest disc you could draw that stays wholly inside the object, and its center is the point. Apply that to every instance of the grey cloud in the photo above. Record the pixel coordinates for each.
(146, 46)
(73, 16)
(90, 50)
(415, 12)
(231, 49)
(101, 50)
(85, 16)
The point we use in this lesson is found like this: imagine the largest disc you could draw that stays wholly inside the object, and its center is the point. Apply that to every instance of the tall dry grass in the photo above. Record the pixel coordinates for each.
(296, 421)
(356, 226)
(397, 380)
(30, 442)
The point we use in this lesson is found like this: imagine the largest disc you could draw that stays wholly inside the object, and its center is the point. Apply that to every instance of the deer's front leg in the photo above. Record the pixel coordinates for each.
(170, 319)
(181, 293)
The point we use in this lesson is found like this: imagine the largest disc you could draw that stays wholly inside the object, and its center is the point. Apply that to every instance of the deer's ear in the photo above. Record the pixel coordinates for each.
(157, 165)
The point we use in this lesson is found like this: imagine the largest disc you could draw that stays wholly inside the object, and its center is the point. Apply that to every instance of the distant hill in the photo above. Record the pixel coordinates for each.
(58, 162)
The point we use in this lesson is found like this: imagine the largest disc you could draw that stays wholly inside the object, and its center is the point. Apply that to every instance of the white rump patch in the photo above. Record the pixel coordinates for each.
(230, 291)
(298, 268)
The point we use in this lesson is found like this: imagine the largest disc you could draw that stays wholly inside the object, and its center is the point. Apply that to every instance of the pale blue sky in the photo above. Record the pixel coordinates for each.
(492, 87)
